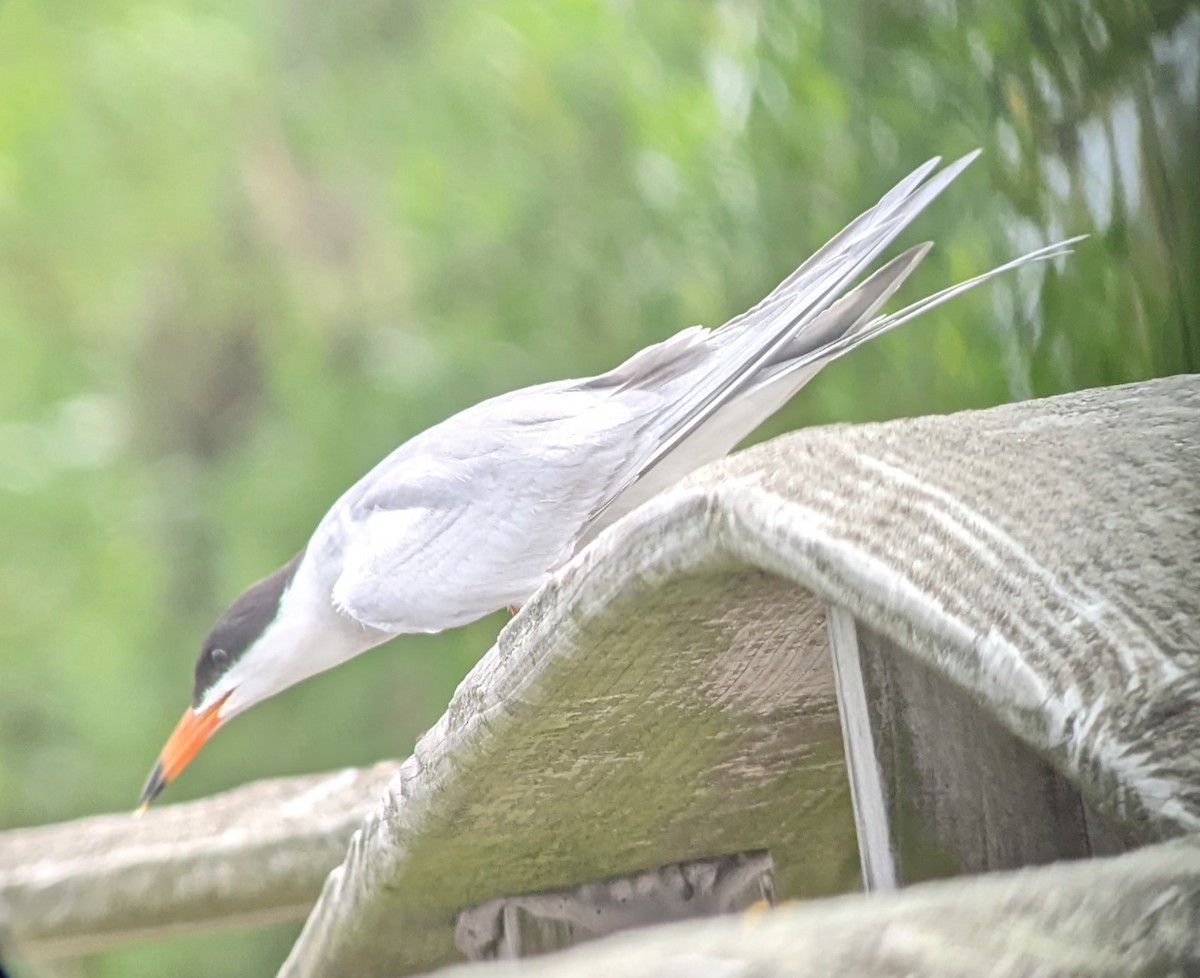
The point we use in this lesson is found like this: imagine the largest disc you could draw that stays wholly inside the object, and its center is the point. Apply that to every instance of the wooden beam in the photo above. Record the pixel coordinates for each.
(257, 854)
(1135, 916)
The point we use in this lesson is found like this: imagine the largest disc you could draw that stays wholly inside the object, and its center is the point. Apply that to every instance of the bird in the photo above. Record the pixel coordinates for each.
(476, 513)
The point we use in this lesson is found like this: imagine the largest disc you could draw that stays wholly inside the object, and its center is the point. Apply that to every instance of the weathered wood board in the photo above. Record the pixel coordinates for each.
(1135, 916)
(959, 794)
(255, 854)
(551, 771)
(669, 695)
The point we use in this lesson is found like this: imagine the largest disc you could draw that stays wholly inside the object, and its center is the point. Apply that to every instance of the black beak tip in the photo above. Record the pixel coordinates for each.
(153, 788)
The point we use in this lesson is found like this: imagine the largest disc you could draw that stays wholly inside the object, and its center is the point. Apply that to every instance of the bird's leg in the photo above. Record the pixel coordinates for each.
(513, 609)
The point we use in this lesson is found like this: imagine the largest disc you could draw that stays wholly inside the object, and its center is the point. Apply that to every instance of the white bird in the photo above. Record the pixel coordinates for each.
(478, 512)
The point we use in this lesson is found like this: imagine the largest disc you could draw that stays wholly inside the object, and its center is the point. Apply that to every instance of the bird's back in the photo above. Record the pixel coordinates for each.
(475, 513)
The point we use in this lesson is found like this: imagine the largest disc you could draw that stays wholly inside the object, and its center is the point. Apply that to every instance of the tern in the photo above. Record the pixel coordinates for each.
(476, 513)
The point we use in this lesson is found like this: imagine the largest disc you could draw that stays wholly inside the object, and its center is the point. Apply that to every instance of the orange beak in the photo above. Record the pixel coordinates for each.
(190, 734)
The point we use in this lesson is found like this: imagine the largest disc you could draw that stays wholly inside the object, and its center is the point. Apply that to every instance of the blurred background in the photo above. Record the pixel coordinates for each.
(247, 247)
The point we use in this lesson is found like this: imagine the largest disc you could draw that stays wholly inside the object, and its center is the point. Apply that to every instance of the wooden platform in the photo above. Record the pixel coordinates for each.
(1034, 569)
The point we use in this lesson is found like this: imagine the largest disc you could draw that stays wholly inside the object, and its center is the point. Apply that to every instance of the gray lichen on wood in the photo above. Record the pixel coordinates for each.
(670, 695)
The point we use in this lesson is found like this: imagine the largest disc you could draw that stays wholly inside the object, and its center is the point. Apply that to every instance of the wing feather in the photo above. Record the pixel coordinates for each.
(474, 513)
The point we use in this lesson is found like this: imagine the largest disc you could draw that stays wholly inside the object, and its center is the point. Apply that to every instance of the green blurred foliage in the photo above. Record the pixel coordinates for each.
(248, 247)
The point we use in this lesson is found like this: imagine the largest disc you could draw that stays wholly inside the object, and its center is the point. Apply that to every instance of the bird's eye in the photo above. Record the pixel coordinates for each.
(219, 657)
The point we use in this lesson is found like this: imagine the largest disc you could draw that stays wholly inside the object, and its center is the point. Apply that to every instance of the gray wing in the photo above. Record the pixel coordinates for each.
(764, 356)
(736, 417)
(474, 514)
(772, 331)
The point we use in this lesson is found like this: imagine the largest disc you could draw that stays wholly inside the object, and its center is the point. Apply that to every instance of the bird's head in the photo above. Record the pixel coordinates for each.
(248, 656)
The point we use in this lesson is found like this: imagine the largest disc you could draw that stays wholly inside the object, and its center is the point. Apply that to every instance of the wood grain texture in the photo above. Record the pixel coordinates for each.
(669, 695)
(961, 794)
(872, 792)
(696, 722)
(1044, 557)
(256, 854)
(1135, 916)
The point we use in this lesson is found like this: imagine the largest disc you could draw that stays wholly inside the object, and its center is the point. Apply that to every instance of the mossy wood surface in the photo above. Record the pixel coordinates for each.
(669, 695)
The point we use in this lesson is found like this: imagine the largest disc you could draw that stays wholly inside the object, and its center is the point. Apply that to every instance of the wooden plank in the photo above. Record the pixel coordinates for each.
(669, 695)
(689, 729)
(961, 793)
(939, 787)
(257, 854)
(1135, 916)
